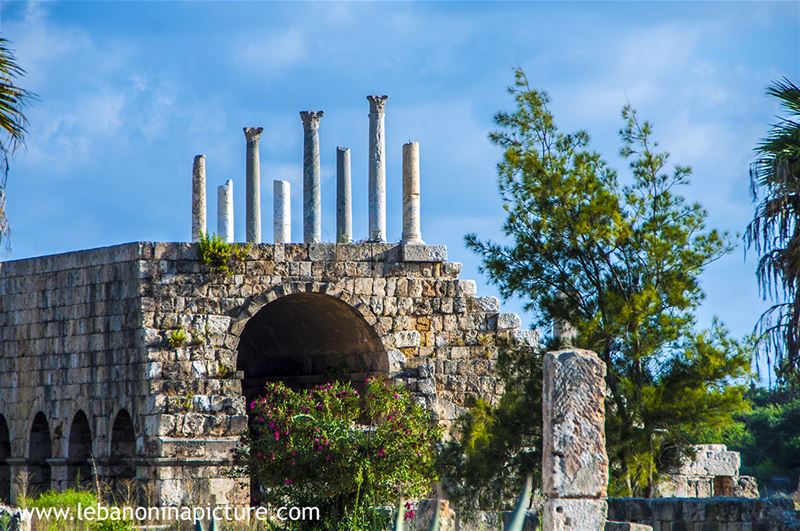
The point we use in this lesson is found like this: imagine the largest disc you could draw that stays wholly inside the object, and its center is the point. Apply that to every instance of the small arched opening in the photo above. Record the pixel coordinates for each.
(79, 452)
(307, 339)
(39, 452)
(5, 455)
(123, 447)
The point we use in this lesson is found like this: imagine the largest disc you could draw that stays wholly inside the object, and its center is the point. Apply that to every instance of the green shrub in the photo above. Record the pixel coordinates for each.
(349, 455)
(219, 255)
(71, 499)
(177, 338)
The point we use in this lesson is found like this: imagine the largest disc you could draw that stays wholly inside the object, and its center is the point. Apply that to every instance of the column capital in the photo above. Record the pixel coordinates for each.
(377, 103)
(311, 119)
(252, 134)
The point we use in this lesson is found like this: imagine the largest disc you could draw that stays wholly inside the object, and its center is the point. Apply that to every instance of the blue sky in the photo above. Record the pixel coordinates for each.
(130, 92)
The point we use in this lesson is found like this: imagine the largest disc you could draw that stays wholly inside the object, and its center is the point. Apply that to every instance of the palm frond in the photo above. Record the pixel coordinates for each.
(774, 231)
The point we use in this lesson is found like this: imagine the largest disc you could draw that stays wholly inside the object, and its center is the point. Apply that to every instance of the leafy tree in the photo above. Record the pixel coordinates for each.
(621, 263)
(774, 233)
(769, 436)
(13, 122)
(498, 445)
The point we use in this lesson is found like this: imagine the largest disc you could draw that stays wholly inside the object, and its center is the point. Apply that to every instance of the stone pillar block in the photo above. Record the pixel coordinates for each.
(225, 211)
(312, 191)
(563, 514)
(377, 169)
(198, 197)
(344, 211)
(282, 224)
(574, 462)
(253, 185)
(411, 204)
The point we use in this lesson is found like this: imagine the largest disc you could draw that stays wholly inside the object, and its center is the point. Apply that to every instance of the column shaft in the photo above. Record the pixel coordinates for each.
(411, 204)
(312, 193)
(253, 185)
(225, 211)
(377, 169)
(574, 459)
(198, 197)
(344, 210)
(282, 224)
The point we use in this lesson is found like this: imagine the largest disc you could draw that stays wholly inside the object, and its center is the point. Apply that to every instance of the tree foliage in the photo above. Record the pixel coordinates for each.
(13, 122)
(621, 263)
(769, 437)
(498, 445)
(774, 233)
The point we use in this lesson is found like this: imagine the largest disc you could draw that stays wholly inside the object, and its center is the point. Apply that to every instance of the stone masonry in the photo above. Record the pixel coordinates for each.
(712, 471)
(136, 361)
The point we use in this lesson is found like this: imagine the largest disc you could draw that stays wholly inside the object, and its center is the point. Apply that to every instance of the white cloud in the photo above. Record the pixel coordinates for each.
(272, 53)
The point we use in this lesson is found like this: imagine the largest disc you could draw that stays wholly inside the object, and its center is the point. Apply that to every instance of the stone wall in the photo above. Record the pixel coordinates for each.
(90, 332)
(711, 514)
(712, 471)
(70, 343)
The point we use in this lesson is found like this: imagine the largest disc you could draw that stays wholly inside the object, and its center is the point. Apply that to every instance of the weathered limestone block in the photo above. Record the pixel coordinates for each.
(508, 321)
(711, 460)
(745, 487)
(574, 461)
(488, 304)
(562, 514)
(423, 253)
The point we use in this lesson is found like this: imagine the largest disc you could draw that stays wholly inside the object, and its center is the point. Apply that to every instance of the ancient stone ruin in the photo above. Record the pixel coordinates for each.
(712, 471)
(136, 362)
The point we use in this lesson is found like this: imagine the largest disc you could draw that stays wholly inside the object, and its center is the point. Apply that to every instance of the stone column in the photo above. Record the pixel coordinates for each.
(377, 169)
(17, 467)
(282, 226)
(344, 210)
(312, 193)
(253, 185)
(59, 473)
(198, 197)
(574, 460)
(225, 211)
(411, 214)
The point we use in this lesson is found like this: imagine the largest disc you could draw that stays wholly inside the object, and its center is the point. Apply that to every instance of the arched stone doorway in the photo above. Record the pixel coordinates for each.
(305, 339)
(39, 452)
(123, 447)
(79, 452)
(5, 455)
